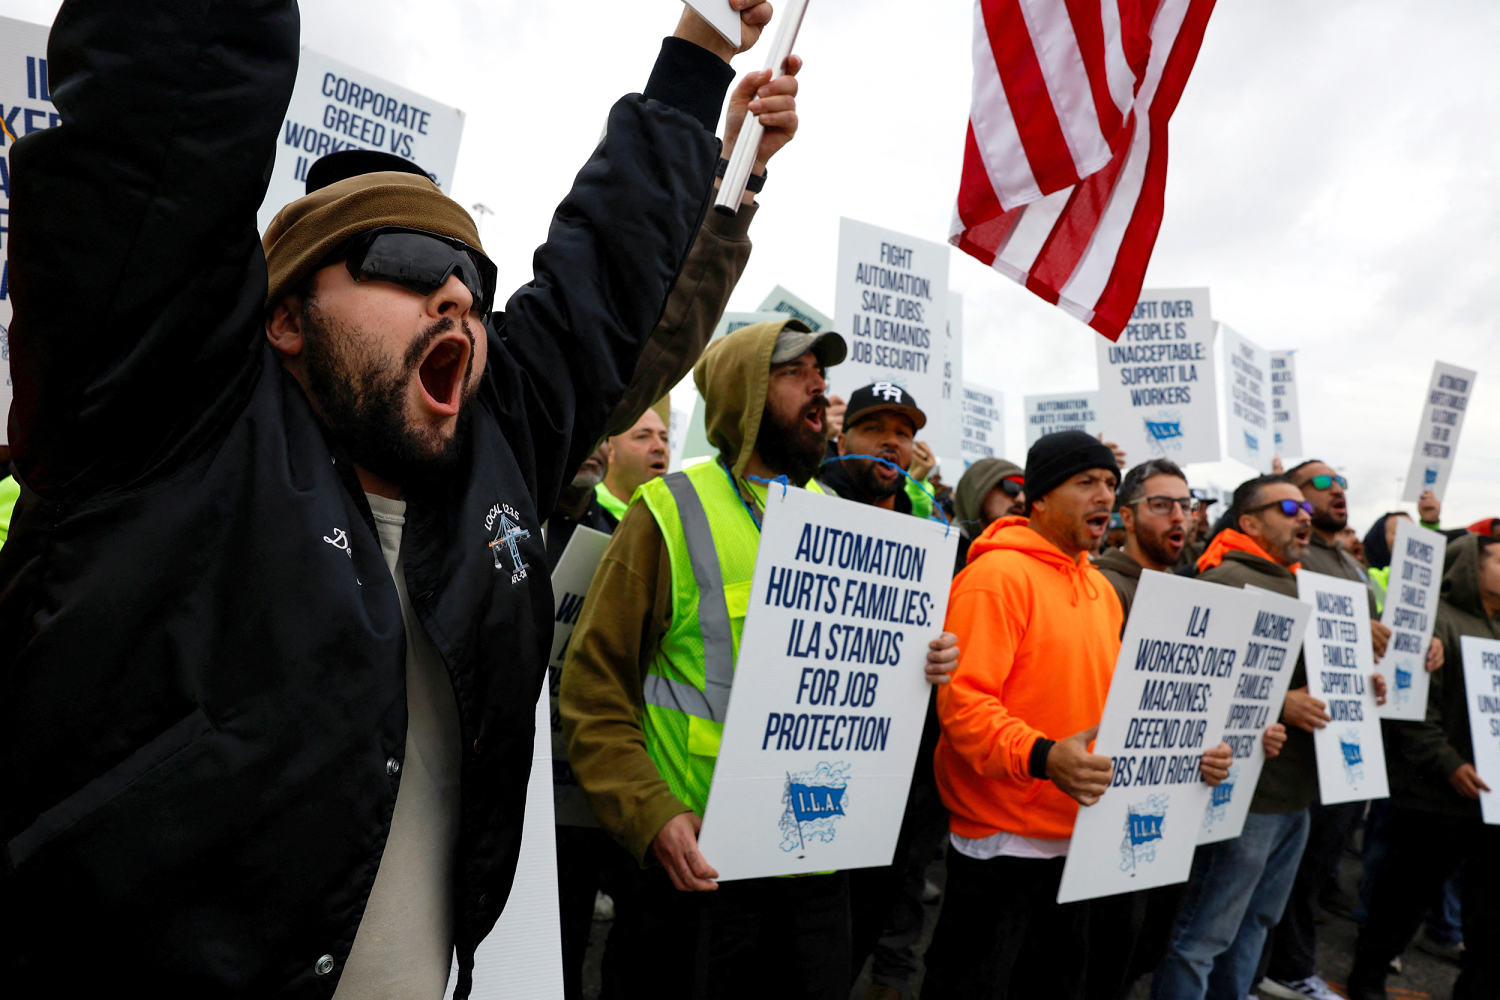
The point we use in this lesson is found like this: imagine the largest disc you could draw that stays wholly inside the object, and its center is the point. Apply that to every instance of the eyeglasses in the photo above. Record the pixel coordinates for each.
(1324, 482)
(421, 261)
(1288, 507)
(1164, 504)
(1012, 485)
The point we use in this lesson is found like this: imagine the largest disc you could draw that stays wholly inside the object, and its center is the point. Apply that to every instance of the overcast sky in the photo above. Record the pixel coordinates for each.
(1333, 182)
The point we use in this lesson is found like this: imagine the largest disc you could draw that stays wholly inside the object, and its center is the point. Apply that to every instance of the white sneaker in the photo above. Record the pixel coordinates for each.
(1311, 988)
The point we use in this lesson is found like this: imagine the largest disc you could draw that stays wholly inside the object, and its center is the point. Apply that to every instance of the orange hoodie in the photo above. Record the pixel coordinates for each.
(1230, 540)
(1040, 634)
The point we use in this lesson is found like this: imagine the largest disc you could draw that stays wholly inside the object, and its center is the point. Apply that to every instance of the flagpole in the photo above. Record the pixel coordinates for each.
(742, 160)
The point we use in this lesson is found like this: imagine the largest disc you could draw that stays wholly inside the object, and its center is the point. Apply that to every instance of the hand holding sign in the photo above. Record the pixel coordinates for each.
(1083, 775)
(1466, 782)
(942, 659)
(676, 847)
(1273, 739)
(1215, 762)
(724, 27)
(1304, 711)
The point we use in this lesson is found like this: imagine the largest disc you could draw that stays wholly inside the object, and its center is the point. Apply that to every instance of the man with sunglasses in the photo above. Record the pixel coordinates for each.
(1239, 887)
(1291, 970)
(988, 490)
(274, 612)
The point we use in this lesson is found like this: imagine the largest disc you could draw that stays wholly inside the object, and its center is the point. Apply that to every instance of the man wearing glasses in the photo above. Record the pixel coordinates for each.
(1239, 887)
(274, 613)
(1155, 506)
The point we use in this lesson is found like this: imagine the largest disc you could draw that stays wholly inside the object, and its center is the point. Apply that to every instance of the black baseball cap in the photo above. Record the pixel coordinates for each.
(883, 396)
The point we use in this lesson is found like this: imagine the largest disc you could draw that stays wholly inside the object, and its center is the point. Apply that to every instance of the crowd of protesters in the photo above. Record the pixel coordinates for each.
(275, 614)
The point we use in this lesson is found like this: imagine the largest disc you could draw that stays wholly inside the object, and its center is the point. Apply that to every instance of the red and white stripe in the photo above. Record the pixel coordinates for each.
(1065, 162)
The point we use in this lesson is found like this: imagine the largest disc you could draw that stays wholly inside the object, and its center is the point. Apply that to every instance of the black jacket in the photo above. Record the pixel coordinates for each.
(201, 648)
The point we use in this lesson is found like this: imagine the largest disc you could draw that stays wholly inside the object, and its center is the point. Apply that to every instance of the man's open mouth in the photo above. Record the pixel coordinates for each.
(1098, 523)
(441, 373)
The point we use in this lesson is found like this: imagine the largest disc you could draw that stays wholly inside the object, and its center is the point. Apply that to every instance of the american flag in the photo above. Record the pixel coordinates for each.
(1066, 159)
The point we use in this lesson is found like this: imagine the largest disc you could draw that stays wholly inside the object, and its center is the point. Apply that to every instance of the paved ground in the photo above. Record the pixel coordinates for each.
(1423, 976)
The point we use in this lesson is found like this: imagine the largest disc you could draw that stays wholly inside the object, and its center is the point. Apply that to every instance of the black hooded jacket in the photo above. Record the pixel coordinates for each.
(201, 648)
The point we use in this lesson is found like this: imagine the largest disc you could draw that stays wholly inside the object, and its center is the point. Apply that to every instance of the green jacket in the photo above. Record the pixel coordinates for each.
(1422, 755)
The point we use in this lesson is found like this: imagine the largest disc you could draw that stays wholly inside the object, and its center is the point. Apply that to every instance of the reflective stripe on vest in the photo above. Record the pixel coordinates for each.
(713, 616)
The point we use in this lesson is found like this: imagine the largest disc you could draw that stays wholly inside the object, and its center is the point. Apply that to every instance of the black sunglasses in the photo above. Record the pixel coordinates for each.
(1012, 486)
(421, 261)
(1288, 507)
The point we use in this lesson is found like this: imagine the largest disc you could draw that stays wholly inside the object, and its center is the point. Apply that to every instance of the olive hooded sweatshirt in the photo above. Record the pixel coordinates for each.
(629, 608)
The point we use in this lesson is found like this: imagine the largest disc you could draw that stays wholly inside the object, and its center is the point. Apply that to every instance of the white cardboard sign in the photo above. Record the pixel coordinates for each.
(1340, 660)
(983, 432)
(1482, 682)
(1247, 404)
(336, 106)
(1258, 688)
(1165, 707)
(1410, 612)
(721, 17)
(570, 584)
(1062, 411)
(1156, 383)
(1443, 409)
(25, 107)
(946, 440)
(892, 307)
(829, 693)
(1286, 411)
(782, 301)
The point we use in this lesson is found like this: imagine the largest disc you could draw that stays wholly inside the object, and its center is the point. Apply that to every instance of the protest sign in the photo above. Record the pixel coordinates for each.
(570, 583)
(946, 441)
(25, 107)
(1247, 409)
(1165, 707)
(892, 293)
(983, 432)
(1411, 601)
(1443, 411)
(1063, 411)
(336, 106)
(829, 693)
(782, 301)
(1258, 687)
(1482, 682)
(522, 956)
(1340, 660)
(1156, 383)
(694, 438)
(1286, 411)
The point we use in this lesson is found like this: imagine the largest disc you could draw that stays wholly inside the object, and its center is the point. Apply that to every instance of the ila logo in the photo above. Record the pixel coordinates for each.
(812, 801)
(505, 522)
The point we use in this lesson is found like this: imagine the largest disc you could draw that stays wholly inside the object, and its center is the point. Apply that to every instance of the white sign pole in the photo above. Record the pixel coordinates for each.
(1443, 411)
(983, 432)
(1166, 703)
(830, 693)
(1286, 410)
(1410, 613)
(1247, 403)
(26, 107)
(1340, 660)
(1482, 682)
(1259, 687)
(1156, 384)
(891, 305)
(1064, 411)
(742, 160)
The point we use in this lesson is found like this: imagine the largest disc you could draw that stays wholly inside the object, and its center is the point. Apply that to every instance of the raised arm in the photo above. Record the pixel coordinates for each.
(137, 272)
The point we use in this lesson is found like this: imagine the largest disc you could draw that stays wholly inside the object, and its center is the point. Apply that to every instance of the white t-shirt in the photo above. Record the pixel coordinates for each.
(404, 945)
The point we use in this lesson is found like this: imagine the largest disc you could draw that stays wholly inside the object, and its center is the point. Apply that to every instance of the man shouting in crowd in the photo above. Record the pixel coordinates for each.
(274, 611)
